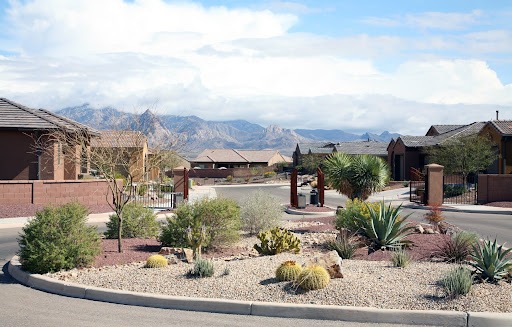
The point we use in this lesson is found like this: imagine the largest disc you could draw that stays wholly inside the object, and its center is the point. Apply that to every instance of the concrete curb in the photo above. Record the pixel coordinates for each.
(309, 213)
(267, 309)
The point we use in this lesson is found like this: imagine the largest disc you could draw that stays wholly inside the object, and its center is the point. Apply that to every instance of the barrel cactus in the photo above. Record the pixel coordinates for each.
(156, 261)
(288, 271)
(313, 277)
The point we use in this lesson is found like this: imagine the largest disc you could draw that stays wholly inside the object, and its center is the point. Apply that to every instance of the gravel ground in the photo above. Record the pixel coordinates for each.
(366, 283)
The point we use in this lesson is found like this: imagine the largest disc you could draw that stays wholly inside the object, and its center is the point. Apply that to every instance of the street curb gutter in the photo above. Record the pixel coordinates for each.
(268, 309)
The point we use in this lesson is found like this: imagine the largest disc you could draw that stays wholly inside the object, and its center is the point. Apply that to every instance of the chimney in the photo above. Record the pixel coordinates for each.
(497, 113)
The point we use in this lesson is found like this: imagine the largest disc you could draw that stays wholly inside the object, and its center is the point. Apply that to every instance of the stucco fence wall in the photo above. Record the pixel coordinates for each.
(87, 192)
(494, 188)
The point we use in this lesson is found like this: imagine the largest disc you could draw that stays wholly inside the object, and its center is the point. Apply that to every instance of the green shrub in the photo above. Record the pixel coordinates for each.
(313, 278)
(345, 244)
(202, 268)
(458, 247)
(260, 211)
(288, 271)
(156, 261)
(451, 190)
(142, 189)
(58, 238)
(166, 188)
(346, 218)
(385, 229)
(400, 258)
(138, 222)
(491, 261)
(269, 174)
(405, 183)
(457, 282)
(277, 240)
(229, 178)
(219, 217)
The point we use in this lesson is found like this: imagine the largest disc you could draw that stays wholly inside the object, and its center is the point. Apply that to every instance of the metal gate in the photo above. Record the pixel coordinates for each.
(458, 189)
(417, 186)
(156, 195)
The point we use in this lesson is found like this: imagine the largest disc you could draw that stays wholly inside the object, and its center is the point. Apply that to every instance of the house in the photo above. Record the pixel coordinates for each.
(500, 133)
(32, 148)
(128, 149)
(231, 158)
(322, 150)
(408, 152)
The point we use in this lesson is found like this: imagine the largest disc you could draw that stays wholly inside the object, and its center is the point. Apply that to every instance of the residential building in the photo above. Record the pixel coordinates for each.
(231, 158)
(500, 133)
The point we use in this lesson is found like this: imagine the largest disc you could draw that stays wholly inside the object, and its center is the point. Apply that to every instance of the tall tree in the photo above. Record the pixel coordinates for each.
(356, 176)
(464, 155)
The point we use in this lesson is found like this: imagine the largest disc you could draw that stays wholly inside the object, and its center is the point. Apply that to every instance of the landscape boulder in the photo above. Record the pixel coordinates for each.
(331, 261)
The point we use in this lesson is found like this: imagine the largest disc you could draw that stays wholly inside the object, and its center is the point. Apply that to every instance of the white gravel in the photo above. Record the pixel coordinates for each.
(366, 283)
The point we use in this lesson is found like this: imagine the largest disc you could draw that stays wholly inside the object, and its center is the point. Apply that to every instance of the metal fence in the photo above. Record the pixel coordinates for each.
(155, 195)
(417, 186)
(459, 189)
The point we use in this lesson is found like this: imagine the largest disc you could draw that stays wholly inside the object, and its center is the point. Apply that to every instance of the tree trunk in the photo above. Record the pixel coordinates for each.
(119, 233)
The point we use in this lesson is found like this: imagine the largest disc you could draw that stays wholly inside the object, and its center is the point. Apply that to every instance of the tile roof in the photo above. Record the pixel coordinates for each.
(417, 141)
(441, 129)
(316, 147)
(422, 141)
(363, 147)
(119, 139)
(235, 156)
(503, 126)
(16, 116)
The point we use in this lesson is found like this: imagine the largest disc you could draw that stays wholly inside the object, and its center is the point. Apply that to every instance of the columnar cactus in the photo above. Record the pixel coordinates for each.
(288, 271)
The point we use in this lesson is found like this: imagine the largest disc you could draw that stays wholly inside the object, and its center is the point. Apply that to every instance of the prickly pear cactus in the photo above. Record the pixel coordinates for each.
(288, 271)
(156, 261)
(277, 240)
(313, 278)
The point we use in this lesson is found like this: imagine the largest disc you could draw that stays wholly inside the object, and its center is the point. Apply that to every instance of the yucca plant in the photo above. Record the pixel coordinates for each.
(385, 228)
(490, 260)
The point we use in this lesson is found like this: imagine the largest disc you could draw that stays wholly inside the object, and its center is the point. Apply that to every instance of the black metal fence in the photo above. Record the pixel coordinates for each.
(459, 189)
(417, 186)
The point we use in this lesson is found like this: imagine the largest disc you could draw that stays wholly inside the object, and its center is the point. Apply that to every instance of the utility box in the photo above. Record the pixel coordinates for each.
(301, 201)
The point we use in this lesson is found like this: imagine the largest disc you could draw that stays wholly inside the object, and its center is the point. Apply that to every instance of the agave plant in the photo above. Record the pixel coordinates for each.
(491, 261)
(385, 228)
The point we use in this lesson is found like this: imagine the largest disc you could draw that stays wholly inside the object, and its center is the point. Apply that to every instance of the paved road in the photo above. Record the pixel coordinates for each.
(486, 225)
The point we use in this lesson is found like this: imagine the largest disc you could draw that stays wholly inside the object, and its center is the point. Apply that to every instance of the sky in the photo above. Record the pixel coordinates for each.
(366, 65)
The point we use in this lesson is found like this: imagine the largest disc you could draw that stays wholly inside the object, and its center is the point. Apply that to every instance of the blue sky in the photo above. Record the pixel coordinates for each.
(353, 65)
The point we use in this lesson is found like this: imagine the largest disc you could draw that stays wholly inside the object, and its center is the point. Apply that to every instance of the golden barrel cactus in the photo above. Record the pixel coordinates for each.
(288, 271)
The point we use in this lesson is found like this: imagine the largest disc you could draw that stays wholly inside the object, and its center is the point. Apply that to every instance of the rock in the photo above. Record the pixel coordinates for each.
(172, 259)
(419, 229)
(429, 230)
(189, 255)
(331, 261)
(168, 250)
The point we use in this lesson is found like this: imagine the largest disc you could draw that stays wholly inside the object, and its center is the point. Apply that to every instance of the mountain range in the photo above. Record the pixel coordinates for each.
(191, 134)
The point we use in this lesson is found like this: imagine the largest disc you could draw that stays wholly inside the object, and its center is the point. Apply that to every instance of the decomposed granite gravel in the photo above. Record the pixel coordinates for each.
(366, 284)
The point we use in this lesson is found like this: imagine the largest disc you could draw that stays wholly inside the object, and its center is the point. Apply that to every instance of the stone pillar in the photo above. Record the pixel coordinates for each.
(321, 186)
(434, 185)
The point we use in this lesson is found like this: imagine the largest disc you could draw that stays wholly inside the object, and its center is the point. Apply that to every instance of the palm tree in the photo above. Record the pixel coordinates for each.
(356, 176)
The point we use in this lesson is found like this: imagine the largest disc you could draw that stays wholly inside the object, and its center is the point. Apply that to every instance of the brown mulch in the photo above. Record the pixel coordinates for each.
(29, 210)
(139, 249)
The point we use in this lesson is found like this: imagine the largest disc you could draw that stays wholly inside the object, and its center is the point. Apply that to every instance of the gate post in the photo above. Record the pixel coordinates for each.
(434, 185)
(293, 190)
(320, 186)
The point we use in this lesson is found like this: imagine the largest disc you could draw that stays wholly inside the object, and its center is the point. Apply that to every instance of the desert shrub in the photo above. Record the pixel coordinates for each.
(346, 217)
(400, 258)
(202, 268)
(229, 178)
(405, 183)
(434, 216)
(451, 190)
(269, 174)
(490, 261)
(166, 188)
(385, 229)
(345, 244)
(138, 221)
(260, 211)
(458, 247)
(288, 271)
(220, 219)
(58, 238)
(142, 189)
(156, 261)
(277, 240)
(313, 278)
(457, 282)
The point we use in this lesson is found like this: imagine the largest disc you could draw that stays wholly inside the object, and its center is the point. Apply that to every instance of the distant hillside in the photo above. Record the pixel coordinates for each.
(197, 134)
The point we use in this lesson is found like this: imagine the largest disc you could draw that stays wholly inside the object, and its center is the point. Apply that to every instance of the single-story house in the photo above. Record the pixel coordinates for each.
(128, 149)
(500, 133)
(408, 152)
(32, 146)
(231, 158)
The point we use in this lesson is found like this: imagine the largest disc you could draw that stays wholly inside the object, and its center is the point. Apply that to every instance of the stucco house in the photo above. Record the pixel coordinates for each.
(231, 158)
(500, 133)
(31, 149)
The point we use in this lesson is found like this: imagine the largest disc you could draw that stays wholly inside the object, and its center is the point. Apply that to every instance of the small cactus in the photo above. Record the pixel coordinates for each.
(313, 278)
(288, 271)
(277, 240)
(156, 261)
